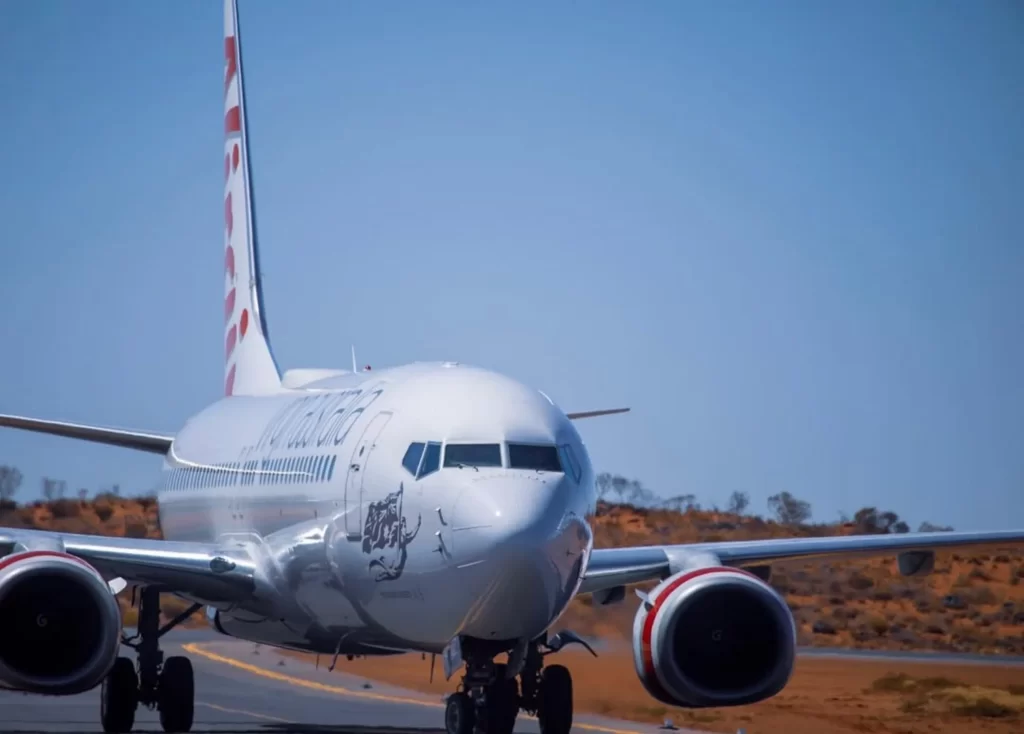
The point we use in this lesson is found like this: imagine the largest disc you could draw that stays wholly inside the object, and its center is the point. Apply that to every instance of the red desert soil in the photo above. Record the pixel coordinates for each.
(824, 695)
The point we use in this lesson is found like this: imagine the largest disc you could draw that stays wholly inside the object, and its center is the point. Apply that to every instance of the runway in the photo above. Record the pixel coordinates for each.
(241, 690)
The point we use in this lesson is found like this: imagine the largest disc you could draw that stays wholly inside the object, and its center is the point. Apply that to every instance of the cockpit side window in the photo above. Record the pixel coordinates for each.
(411, 461)
(472, 454)
(531, 456)
(570, 462)
(431, 460)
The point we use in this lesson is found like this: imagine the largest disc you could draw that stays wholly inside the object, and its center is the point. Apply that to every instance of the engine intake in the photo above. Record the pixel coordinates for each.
(713, 636)
(60, 626)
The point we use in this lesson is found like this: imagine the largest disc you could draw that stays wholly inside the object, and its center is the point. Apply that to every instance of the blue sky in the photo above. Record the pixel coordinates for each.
(787, 234)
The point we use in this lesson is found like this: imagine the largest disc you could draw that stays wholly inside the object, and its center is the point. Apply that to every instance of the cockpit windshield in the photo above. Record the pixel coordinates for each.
(531, 456)
(472, 454)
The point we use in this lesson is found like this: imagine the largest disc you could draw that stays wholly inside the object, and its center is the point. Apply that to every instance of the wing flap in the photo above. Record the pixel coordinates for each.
(138, 440)
(609, 567)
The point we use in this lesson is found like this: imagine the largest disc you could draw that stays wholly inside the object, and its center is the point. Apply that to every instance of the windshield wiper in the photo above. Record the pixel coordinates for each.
(460, 465)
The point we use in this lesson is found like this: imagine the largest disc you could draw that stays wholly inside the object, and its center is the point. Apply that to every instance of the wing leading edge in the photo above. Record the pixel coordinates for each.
(611, 567)
(139, 440)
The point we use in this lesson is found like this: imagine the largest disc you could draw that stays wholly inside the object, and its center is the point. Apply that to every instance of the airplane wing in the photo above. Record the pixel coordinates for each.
(204, 571)
(611, 567)
(595, 413)
(138, 440)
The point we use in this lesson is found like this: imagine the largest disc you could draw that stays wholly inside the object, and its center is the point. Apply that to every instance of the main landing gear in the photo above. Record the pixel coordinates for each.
(489, 697)
(167, 684)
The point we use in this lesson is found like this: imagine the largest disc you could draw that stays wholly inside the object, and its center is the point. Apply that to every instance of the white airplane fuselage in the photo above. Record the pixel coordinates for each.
(373, 540)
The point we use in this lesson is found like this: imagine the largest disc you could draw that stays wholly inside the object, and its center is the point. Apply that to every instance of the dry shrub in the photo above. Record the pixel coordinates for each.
(859, 581)
(978, 573)
(823, 627)
(104, 510)
(878, 625)
(66, 508)
(845, 613)
(982, 595)
(984, 707)
(135, 527)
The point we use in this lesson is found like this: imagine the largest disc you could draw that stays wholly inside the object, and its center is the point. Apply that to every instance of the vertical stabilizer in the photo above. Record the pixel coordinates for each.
(249, 367)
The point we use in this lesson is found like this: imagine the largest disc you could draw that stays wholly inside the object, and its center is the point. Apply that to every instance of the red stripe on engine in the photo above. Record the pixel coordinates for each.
(645, 638)
(14, 558)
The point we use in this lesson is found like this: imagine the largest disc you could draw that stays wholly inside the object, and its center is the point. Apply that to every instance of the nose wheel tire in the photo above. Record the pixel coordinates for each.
(502, 703)
(176, 694)
(119, 697)
(458, 714)
(554, 700)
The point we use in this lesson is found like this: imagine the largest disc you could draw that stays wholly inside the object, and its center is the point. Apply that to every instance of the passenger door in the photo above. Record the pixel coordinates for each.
(356, 470)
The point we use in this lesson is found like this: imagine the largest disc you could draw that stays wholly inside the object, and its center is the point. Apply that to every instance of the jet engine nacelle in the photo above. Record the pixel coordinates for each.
(60, 626)
(713, 636)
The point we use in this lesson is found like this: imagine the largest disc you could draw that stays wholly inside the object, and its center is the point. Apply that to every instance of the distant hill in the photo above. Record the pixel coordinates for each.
(972, 602)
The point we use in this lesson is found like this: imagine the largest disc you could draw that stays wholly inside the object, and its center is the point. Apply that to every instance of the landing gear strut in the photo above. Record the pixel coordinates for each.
(488, 700)
(167, 684)
(547, 692)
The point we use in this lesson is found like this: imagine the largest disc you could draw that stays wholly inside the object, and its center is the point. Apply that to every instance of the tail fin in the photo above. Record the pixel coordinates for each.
(249, 367)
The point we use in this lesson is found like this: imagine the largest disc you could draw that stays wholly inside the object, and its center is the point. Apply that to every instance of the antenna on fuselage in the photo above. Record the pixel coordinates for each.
(354, 368)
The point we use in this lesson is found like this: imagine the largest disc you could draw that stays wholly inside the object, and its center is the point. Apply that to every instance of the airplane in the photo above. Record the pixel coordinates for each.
(439, 508)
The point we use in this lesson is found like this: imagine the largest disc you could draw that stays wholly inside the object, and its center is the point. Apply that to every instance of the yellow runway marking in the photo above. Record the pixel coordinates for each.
(243, 712)
(200, 650)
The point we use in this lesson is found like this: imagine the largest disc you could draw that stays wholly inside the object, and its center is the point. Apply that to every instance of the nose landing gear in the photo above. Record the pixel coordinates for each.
(486, 703)
(488, 700)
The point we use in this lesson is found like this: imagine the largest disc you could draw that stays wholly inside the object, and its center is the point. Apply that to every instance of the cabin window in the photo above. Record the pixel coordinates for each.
(472, 454)
(531, 456)
(570, 462)
(431, 459)
(411, 461)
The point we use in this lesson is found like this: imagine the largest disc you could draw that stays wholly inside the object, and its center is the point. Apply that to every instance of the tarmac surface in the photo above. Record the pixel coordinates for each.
(242, 689)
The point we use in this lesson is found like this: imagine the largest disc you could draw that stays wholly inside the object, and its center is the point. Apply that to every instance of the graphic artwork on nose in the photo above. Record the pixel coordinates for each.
(386, 531)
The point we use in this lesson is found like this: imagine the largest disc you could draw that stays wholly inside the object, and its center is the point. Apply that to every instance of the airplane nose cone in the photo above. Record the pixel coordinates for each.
(519, 544)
